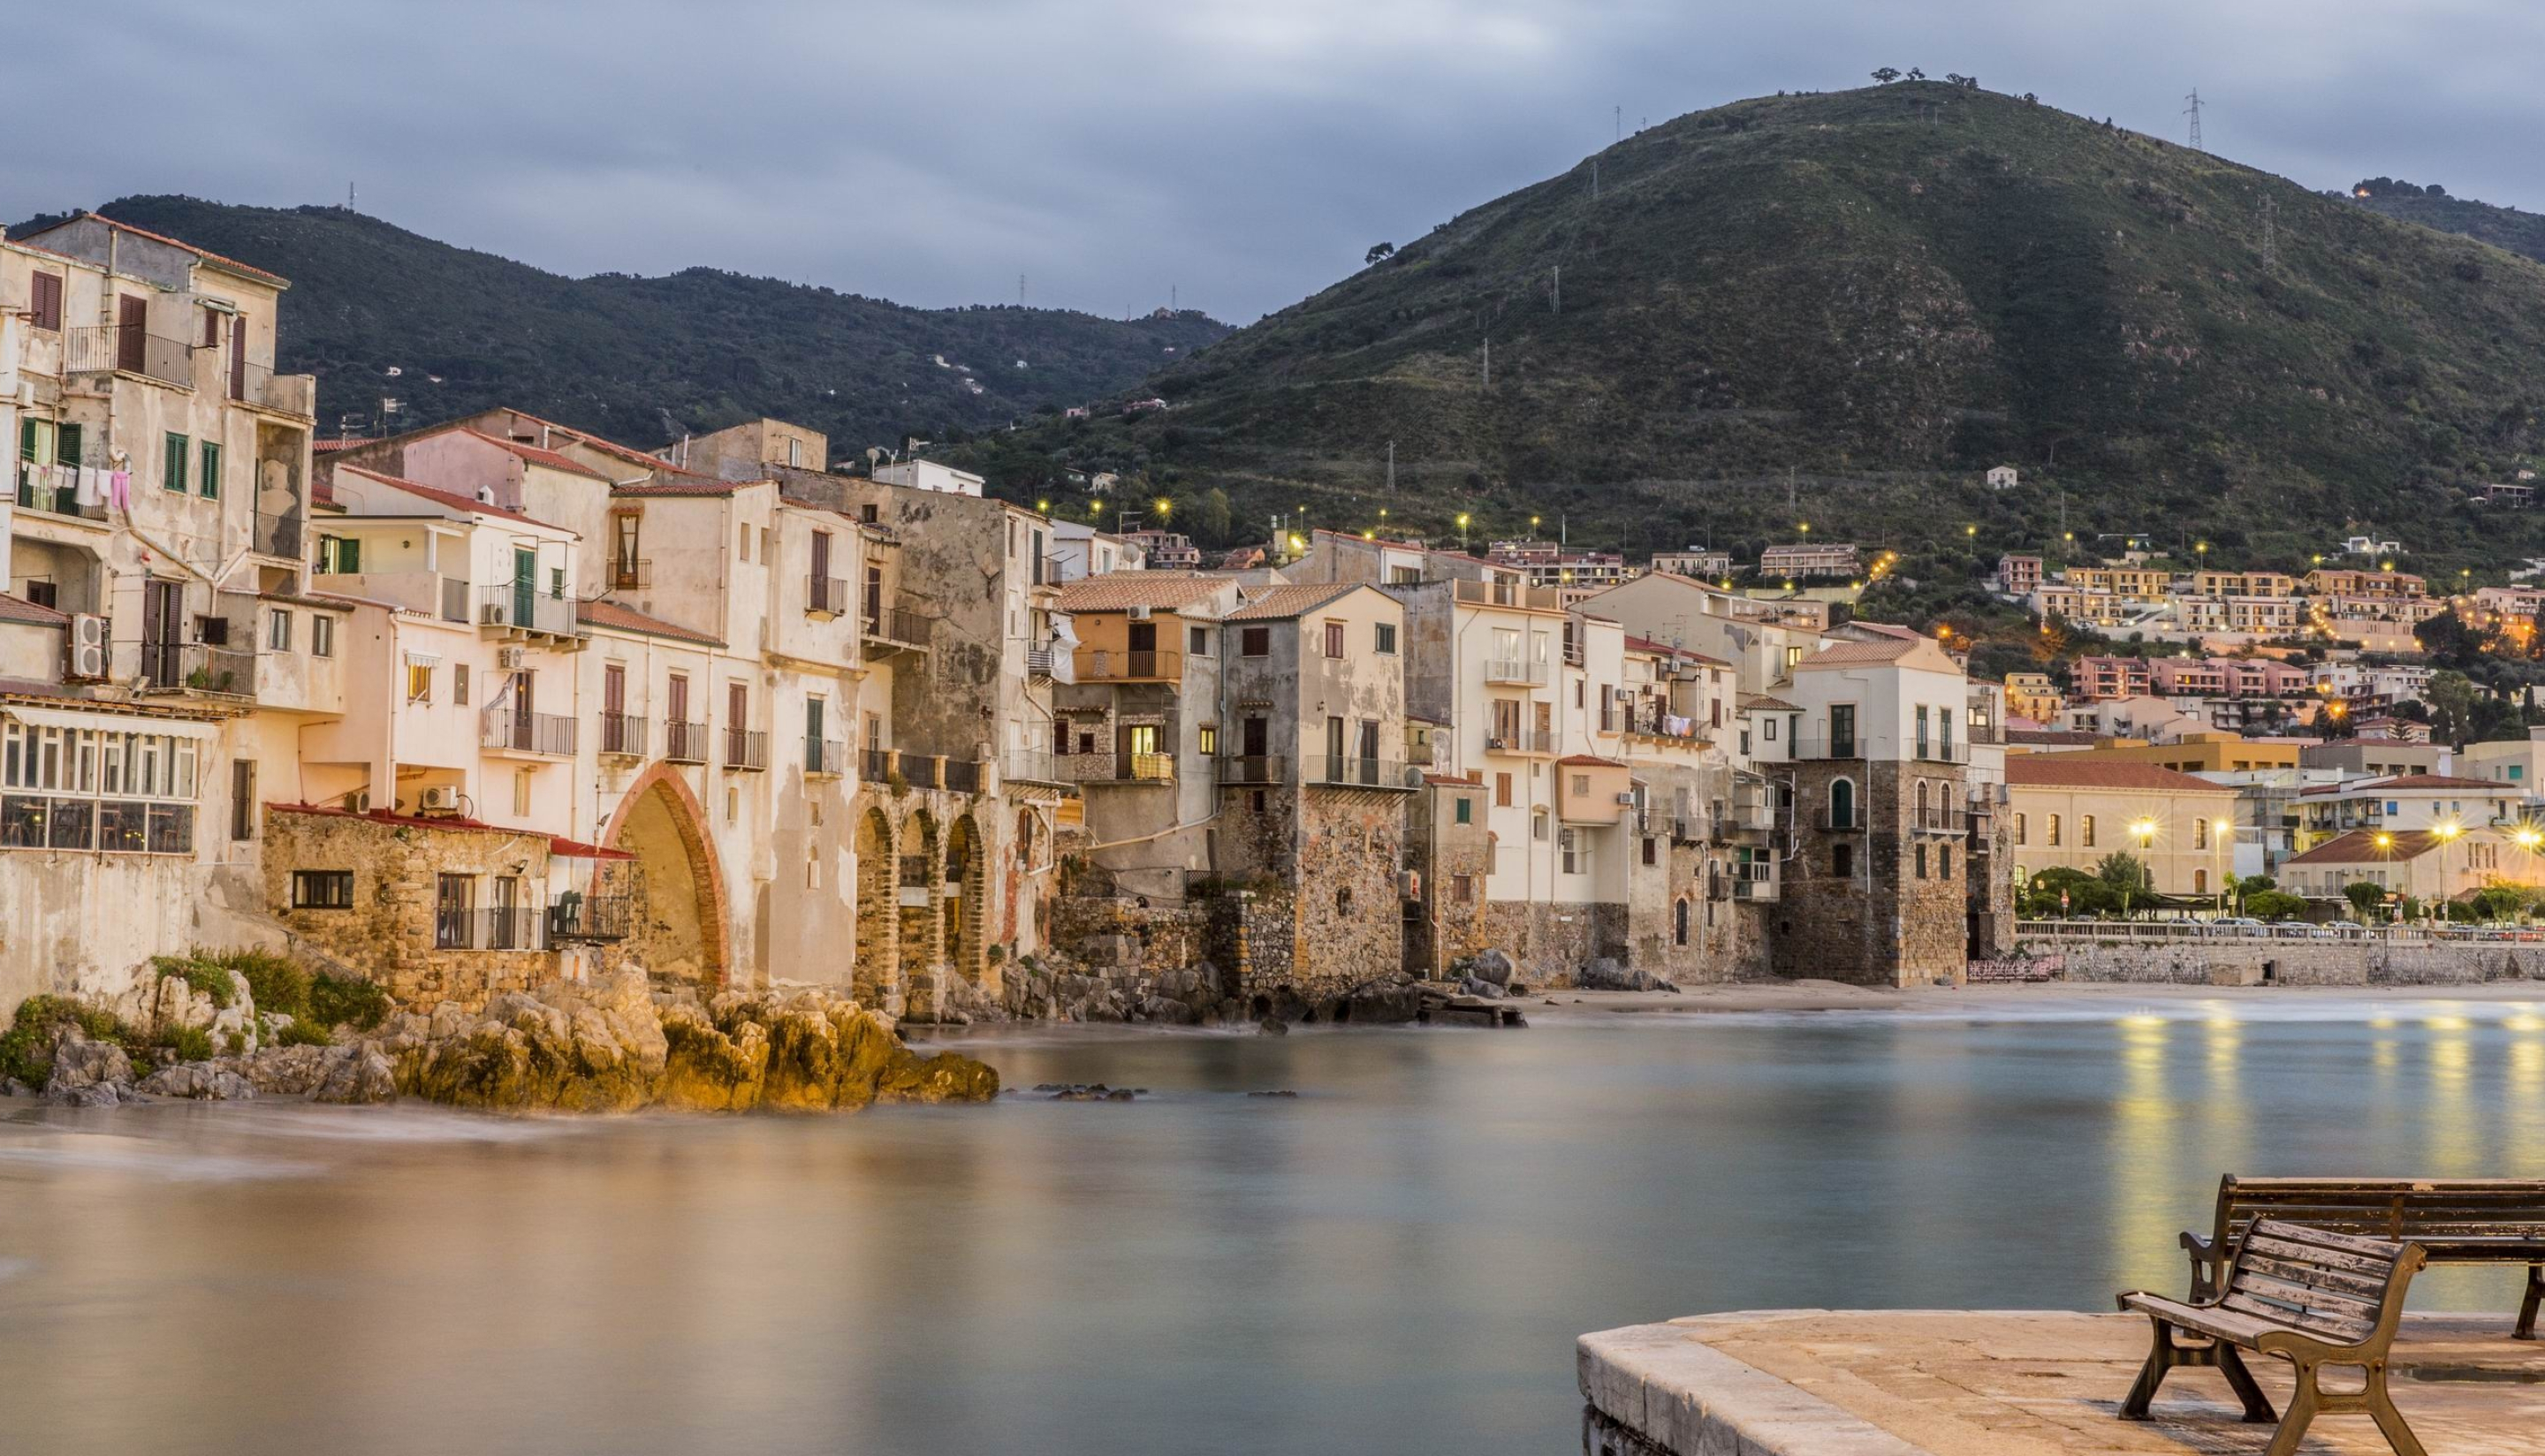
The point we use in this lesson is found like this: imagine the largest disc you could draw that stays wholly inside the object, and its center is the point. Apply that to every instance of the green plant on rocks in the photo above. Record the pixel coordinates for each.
(26, 1049)
(347, 1001)
(200, 975)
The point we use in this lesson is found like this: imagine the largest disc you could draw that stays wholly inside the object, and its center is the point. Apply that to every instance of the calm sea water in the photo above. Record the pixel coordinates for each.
(1395, 1261)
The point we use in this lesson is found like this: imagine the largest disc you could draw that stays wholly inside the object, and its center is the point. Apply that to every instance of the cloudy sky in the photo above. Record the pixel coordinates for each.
(1244, 152)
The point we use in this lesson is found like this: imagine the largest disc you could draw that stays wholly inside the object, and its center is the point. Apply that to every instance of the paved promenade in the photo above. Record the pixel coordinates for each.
(2027, 1383)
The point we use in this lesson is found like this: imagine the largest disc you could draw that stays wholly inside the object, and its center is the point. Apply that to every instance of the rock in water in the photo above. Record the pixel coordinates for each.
(363, 1077)
(1273, 1026)
(88, 1074)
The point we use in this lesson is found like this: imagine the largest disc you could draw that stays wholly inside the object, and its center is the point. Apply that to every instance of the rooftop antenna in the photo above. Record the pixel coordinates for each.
(349, 197)
(1173, 303)
(1020, 290)
(2191, 108)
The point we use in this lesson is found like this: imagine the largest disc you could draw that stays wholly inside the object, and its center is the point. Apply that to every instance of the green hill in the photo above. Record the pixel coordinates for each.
(1857, 302)
(2522, 233)
(643, 358)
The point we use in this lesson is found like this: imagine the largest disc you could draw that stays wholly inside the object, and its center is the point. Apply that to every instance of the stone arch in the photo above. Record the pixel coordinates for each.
(961, 913)
(875, 978)
(1841, 803)
(919, 946)
(1925, 814)
(677, 930)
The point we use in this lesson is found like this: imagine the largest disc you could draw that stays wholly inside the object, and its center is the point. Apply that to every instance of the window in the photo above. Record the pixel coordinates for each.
(2086, 831)
(454, 910)
(1581, 785)
(2021, 829)
(1206, 740)
(1770, 726)
(242, 799)
(2200, 834)
(1386, 638)
(172, 462)
(1944, 862)
(278, 631)
(322, 889)
(1538, 823)
(1922, 861)
(460, 683)
(1841, 803)
(45, 301)
(1197, 641)
(742, 542)
(1465, 813)
(1334, 639)
(1841, 727)
(1502, 790)
(1922, 736)
(1652, 849)
(521, 791)
(212, 471)
(1565, 842)
(322, 635)
(2054, 829)
(419, 678)
(1842, 862)
(1255, 642)
(1678, 921)
(1462, 889)
(339, 556)
(2200, 882)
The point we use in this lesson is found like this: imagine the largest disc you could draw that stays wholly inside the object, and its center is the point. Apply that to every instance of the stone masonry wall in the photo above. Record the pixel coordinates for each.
(1547, 943)
(1881, 924)
(1351, 917)
(2291, 964)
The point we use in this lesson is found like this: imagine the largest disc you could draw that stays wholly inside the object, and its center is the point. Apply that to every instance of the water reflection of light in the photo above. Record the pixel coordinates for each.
(2225, 1118)
(2449, 1132)
(2524, 1022)
(2143, 1138)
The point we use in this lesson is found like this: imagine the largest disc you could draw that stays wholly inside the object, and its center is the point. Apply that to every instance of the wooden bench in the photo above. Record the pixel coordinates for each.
(2453, 1220)
(2311, 1297)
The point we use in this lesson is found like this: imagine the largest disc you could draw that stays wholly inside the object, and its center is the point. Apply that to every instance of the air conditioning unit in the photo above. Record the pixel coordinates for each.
(1626, 800)
(87, 646)
(510, 659)
(1409, 884)
(1139, 613)
(442, 799)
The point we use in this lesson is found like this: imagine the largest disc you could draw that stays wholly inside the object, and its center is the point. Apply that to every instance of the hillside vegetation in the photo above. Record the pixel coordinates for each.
(644, 358)
(1855, 302)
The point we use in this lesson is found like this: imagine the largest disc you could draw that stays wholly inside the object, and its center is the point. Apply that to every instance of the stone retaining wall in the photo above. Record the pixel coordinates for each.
(2291, 964)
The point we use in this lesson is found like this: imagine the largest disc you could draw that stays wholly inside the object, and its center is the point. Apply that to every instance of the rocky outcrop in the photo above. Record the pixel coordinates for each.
(86, 1073)
(616, 1048)
(1607, 974)
(162, 1003)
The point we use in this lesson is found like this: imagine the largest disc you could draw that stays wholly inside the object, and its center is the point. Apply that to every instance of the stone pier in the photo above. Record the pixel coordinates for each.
(2027, 1383)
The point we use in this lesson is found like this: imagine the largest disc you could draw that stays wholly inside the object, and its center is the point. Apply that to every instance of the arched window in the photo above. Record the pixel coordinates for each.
(1678, 921)
(1841, 803)
(1926, 816)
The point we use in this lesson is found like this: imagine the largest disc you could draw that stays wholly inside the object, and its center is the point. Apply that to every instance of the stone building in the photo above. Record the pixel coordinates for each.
(159, 659)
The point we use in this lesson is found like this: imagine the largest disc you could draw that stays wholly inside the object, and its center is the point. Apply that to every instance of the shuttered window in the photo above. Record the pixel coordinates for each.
(211, 484)
(172, 464)
(45, 302)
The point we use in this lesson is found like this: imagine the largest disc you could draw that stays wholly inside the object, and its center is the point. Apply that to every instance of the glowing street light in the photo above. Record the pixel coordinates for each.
(2528, 837)
(1044, 507)
(1164, 507)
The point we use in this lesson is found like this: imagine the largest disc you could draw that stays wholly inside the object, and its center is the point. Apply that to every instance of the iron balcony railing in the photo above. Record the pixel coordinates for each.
(921, 771)
(199, 667)
(1937, 751)
(1521, 741)
(259, 386)
(1104, 664)
(878, 764)
(1953, 821)
(622, 735)
(1240, 770)
(826, 595)
(1034, 765)
(746, 750)
(1515, 671)
(1037, 661)
(580, 917)
(685, 743)
(1121, 768)
(278, 533)
(629, 574)
(457, 928)
(54, 491)
(962, 776)
(528, 611)
(514, 731)
(825, 757)
(899, 628)
(1348, 771)
(128, 349)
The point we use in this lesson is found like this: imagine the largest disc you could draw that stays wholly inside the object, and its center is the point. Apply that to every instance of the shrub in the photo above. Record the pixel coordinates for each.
(278, 983)
(26, 1049)
(2275, 904)
(187, 1043)
(347, 1001)
(199, 974)
(305, 1033)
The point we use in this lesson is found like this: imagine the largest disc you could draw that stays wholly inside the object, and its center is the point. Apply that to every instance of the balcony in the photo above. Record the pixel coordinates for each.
(1953, 751)
(623, 736)
(1954, 823)
(196, 669)
(746, 752)
(488, 930)
(1039, 664)
(630, 575)
(1032, 766)
(1823, 746)
(515, 610)
(43, 488)
(1753, 882)
(1524, 742)
(1750, 817)
(906, 630)
(1347, 770)
(278, 533)
(827, 596)
(962, 776)
(580, 917)
(540, 735)
(1242, 770)
(685, 743)
(825, 757)
(1119, 768)
(129, 350)
(260, 387)
(1513, 672)
(1106, 665)
(921, 771)
(878, 764)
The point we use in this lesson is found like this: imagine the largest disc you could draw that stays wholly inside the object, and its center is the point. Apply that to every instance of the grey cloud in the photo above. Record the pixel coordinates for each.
(1242, 152)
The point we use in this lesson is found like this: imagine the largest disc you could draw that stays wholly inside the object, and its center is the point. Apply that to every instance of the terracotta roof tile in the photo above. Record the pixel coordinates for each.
(1120, 591)
(1279, 603)
(1848, 654)
(2360, 847)
(2068, 771)
(230, 263)
(694, 486)
(536, 455)
(451, 498)
(1685, 654)
(629, 620)
(1590, 760)
(20, 609)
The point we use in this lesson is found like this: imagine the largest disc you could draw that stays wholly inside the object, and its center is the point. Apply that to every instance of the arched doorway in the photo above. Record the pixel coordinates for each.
(876, 976)
(960, 908)
(676, 928)
(917, 951)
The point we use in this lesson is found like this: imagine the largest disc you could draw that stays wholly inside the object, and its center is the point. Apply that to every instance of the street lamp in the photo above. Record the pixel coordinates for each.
(1462, 530)
(2143, 830)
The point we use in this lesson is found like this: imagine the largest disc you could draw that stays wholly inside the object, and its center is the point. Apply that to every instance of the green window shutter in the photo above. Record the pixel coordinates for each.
(172, 464)
(211, 481)
(349, 556)
(27, 443)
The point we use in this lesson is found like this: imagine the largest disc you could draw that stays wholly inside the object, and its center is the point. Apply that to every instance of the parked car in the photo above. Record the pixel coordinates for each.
(2237, 925)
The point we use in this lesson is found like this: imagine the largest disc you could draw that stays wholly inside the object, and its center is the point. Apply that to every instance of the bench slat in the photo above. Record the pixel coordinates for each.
(2205, 1319)
(2330, 1329)
(2385, 1248)
(2303, 1293)
(2365, 1265)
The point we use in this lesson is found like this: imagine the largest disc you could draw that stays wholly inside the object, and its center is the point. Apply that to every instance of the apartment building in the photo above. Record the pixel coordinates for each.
(1696, 561)
(2097, 679)
(2383, 586)
(2071, 810)
(1079, 551)
(2018, 576)
(1165, 550)
(2033, 696)
(159, 658)
(1549, 564)
(1804, 560)
(2406, 801)
(2084, 607)
(2423, 865)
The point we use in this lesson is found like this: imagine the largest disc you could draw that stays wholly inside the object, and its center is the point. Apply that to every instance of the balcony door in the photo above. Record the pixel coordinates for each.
(163, 613)
(131, 333)
(522, 711)
(614, 708)
(525, 585)
(1333, 750)
(1144, 649)
(239, 356)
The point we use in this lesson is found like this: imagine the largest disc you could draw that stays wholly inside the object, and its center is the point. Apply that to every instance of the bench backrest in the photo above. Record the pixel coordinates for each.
(2339, 1288)
(2389, 1208)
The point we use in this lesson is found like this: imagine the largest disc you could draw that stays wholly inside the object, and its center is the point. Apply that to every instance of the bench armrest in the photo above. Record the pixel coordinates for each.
(2206, 1259)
